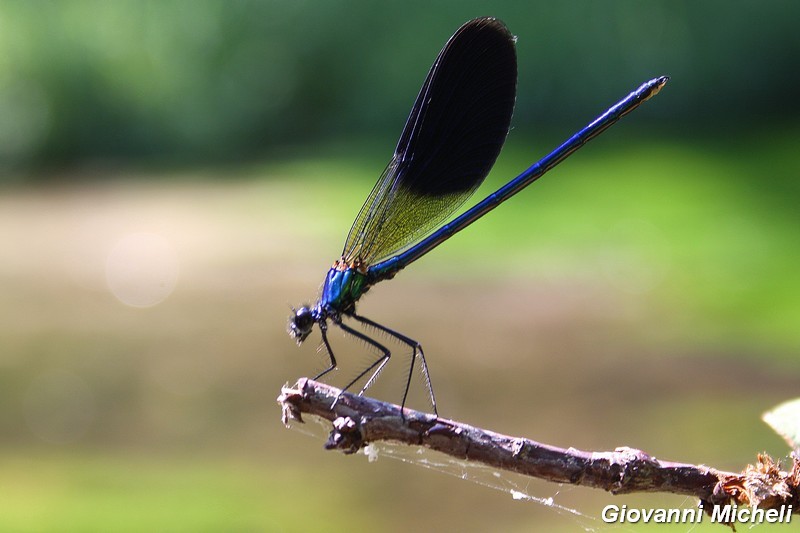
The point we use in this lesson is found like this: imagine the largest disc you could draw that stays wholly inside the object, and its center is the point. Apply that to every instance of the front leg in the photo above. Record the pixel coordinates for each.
(323, 328)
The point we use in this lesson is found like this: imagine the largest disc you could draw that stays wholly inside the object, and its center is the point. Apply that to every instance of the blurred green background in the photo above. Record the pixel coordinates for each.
(175, 175)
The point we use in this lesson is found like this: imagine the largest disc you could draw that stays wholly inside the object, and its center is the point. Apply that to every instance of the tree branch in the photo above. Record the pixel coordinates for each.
(359, 420)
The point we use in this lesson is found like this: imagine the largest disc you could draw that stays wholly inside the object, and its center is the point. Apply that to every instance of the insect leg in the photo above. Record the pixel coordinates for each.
(323, 328)
(416, 351)
(379, 363)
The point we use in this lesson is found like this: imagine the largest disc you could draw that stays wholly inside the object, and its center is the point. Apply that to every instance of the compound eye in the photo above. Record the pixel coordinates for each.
(300, 323)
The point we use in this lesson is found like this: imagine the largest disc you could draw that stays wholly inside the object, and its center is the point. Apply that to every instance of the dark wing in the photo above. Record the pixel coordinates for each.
(450, 141)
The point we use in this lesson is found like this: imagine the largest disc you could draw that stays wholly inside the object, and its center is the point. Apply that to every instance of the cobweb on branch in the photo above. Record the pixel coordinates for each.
(485, 476)
(477, 473)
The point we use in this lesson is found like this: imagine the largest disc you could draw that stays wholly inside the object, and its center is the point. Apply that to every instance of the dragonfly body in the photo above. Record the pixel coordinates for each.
(452, 137)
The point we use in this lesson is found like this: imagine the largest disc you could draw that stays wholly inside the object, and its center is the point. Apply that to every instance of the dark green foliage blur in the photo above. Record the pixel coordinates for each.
(205, 81)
